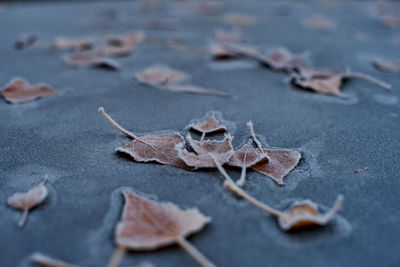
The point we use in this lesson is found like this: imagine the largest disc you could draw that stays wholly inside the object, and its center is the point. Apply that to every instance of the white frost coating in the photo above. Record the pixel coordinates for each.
(230, 126)
(386, 99)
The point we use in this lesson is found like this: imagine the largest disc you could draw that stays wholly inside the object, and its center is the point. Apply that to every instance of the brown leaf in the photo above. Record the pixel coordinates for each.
(46, 261)
(63, 43)
(222, 150)
(207, 126)
(329, 85)
(237, 19)
(279, 163)
(27, 200)
(319, 22)
(149, 225)
(167, 79)
(159, 147)
(121, 45)
(246, 157)
(85, 59)
(386, 65)
(19, 90)
(305, 214)
(26, 40)
(218, 52)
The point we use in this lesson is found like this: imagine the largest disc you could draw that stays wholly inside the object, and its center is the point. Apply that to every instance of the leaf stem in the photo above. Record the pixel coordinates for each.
(116, 125)
(368, 78)
(117, 256)
(253, 135)
(194, 252)
(23, 218)
(202, 136)
(242, 179)
(229, 184)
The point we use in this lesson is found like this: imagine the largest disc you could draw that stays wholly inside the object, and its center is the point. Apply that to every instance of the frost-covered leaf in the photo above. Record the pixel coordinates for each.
(46, 261)
(121, 45)
(158, 147)
(237, 19)
(19, 90)
(63, 43)
(386, 65)
(200, 158)
(319, 22)
(210, 125)
(149, 225)
(25, 201)
(246, 157)
(87, 59)
(167, 79)
(305, 214)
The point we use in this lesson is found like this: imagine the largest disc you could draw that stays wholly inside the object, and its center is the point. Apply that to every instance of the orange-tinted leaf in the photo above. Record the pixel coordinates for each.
(329, 85)
(319, 22)
(167, 79)
(305, 214)
(27, 200)
(148, 225)
(46, 261)
(63, 43)
(83, 59)
(221, 150)
(387, 65)
(19, 90)
(210, 125)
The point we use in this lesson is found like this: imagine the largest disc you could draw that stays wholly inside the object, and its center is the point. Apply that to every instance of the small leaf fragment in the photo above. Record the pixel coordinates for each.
(210, 125)
(63, 43)
(305, 214)
(238, 19)
(386, 65)
(121, 45)
(46, 261)
(27, 200)
(19, 91)
(25, 41)
(86, 59)
(361, 170)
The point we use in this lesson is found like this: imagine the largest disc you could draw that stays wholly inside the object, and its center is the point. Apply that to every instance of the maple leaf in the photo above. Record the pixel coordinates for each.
(246, 157)
(167, 79)
(121, 45)
(299, 215)
(386, 65)
(27, 200)
(222, 150)
(46, 261)
(329, 81)
(210, 125)
(25, 41)
(279, 163)
(84, 59)
(148, 225)
(63, 43)
(18, 90)
(160, 147)
(319, 22)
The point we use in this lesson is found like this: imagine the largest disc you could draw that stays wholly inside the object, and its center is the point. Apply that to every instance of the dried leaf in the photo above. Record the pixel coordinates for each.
(246, 157)
(148, 225)
(46, 261)
(26, 40)
(222, 150)
(279, 163)
(167, 79)
(63, 43)
(19, 90)
(386, 65)
(27, 200)
(159, 147)
(305, 214)
(121, 45)
(237, 19)
(98, 60)
(319, 22)
(300, 215)
(210, 125)
(361, 170)
(218, 52)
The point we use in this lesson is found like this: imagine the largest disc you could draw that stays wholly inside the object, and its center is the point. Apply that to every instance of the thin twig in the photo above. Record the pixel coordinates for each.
(194, 252)
(117, 256)
(23, 218)
(242, 179)
(368, 78)
(361, 170)
(116, 125)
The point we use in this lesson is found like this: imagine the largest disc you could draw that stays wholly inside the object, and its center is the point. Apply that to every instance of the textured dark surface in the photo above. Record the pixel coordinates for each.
(64, 138)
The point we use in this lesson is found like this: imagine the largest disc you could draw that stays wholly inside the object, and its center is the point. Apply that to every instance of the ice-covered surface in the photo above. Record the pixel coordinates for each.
(64, 138)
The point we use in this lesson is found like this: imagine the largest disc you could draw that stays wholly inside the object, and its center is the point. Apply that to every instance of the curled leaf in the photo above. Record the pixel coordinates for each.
(85, 59)
(46, 261)
(27, 200)
(159, 147)
(386, 65)
(210, 125)
(305, 214)
(19, 91)
(167, 79)
(148, 225)
(221, 150)
(63, 43)
(246, 157)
